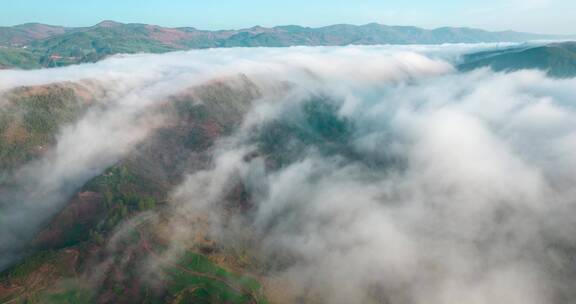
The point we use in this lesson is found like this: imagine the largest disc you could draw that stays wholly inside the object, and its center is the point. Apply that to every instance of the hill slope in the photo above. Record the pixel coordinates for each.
(23, 34)
(73, 243)
(557, 59)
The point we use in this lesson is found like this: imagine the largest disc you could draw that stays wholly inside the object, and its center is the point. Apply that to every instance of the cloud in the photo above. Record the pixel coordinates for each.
(449, 189)
(373, 174)
(130, 87)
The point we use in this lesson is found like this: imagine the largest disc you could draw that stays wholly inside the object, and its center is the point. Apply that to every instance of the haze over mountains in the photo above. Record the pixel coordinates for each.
(37, 45)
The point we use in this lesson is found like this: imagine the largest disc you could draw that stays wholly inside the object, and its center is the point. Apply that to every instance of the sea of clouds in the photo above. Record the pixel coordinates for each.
(447, 187)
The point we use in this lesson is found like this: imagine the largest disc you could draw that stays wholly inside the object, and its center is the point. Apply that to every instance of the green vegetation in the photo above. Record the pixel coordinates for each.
(125, 193)
(195, 279)
(25, 33)
(557, 59)
(30, 265)
(71, 295)
(96, 44)
(29, 123)
(48, 46)
(321, 116)
(30, 120)
(80, 46)
(21, 58)
(118, 195)
(318, 125)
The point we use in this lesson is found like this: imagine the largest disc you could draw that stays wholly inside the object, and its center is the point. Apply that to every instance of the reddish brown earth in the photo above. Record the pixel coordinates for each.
(181, 146)
(82, 212)
(26, 33)
(168, 36)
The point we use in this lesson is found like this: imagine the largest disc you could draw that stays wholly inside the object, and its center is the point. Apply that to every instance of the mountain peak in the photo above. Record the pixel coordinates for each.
(35, 25)
(108, 23)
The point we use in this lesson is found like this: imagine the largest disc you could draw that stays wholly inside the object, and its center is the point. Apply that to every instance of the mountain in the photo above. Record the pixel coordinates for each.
(73, 243)
(253, 185)
(368, 34)
(37, 45)
(557, 59)
(23, 34)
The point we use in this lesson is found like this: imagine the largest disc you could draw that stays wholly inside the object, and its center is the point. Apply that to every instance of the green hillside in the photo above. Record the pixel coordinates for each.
(557, 59)
(18, 57)
(59, 262)
(31, 118)
(95, 44)
(25, 33)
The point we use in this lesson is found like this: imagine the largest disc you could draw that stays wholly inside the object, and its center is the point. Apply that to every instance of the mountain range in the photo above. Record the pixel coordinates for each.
(35, 45)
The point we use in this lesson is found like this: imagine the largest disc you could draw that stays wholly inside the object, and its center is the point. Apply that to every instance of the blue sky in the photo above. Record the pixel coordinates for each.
(545, 16)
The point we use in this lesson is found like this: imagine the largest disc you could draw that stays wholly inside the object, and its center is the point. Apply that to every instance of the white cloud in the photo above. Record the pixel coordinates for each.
(468, 210)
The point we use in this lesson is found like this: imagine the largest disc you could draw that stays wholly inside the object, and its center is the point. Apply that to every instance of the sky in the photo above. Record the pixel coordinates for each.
(539, 16)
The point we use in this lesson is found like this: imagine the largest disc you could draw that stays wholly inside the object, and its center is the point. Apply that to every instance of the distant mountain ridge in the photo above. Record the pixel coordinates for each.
(25, 33)
(556, 59)
(36, 45)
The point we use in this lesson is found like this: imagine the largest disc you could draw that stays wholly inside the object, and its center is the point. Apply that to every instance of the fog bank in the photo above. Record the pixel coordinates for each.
(372, 174)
